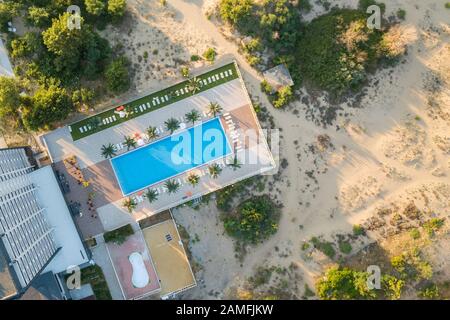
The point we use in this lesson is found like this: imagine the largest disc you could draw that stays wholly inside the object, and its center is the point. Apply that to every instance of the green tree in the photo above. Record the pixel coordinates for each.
(108, 151)
(9, 97)
(95, 7)
(117, 75)
(392, 287)
(50, 104)
(193, 116)
(214, 170)
(194, 85)
(344, 284)
(129, 204)
(235, 11)
(172, 124)
(26, 46)
(8, 10)
(193, 179)
(172, 186)
(117, 8)
(151, 133)
(151, 195)
(130, 142)
(214, 109)
(38, 17)
(256, 219)
(235, 164)
(284, 96)
(66, 44)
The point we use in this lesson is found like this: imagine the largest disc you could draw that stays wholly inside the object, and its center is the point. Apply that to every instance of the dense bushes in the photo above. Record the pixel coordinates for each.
(255, 219)
(120, 235)
(55, 62)
(49, 104)
(275, 22)
(117, 77)
(337, 50)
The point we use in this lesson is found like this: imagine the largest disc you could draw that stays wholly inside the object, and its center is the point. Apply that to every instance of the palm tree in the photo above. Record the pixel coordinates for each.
(172, 124)
(130, 204)
(151, 133)
(214, 170)
(172, 186)
(108, 151)
(214, 108)
(130, 142)
(193, 179)
(193, 116)
(151, 195)
(194, 85)
(94, 122)
(235, 164)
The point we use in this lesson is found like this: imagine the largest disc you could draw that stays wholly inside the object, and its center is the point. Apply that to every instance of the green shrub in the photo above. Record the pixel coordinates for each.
(415, 233)
(304, 6)
(326, 248)
(266, 87)
(117, 75)
(255, 219)
(185, 72)
(392, 287)
(283, 97)
(195, 57)
(262, 276)
(337, 50)
(447, 5)
(410, 265)
(433, 225)
(120, 235)
(235, 11)
(431, 291)
(344, 284)
(345, 247)
(209, 54)
(401, 14)
(358, 230)
(94, 276)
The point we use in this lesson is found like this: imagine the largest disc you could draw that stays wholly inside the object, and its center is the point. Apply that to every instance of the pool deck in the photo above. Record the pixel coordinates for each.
(238, 118)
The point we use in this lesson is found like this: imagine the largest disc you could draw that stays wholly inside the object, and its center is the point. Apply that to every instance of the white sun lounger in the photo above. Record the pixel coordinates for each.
(81, 129)
(177, 93)
(209, 79)
(105, 121)
(179, 181)
(205, 82)
(221, 75)
(111, 119)
(186, 89)
(230, 72)
(114, 118)
(217, 77)
(182, 91)
(157, 100)
(167, 97)
(140, 108)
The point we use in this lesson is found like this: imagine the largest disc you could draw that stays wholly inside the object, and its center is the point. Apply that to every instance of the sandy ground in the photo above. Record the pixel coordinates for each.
(391, 146)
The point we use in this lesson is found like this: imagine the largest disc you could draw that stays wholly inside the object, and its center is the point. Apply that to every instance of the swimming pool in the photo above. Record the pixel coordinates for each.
(171, 156)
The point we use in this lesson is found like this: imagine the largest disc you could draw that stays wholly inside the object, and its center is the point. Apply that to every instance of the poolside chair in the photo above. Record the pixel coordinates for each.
(167, 97)
(226, 114)
(231, 127)
(114, 118)
(157, 100)
(217, 77)
(225, 73)
(230, 72)
(186, 89)
(182, 91)
(209, 80)
(179, 181)
(205, 82)
(149, 105)
(119, 146)
(205, 114)
(81, 129)
(221, 75)
(85, 128)
(111, 119)
(140, 108)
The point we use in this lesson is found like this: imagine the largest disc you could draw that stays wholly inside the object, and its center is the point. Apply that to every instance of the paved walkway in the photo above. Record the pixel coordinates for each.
(101, 258)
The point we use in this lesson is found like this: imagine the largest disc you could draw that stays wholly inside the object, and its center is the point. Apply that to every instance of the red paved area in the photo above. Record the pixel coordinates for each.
(119, 255)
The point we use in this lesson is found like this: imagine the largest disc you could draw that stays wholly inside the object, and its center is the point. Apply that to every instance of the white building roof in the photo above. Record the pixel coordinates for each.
(65, 234)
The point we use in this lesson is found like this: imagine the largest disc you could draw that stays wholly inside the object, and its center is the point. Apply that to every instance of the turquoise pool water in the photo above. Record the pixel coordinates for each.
(171, 156)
